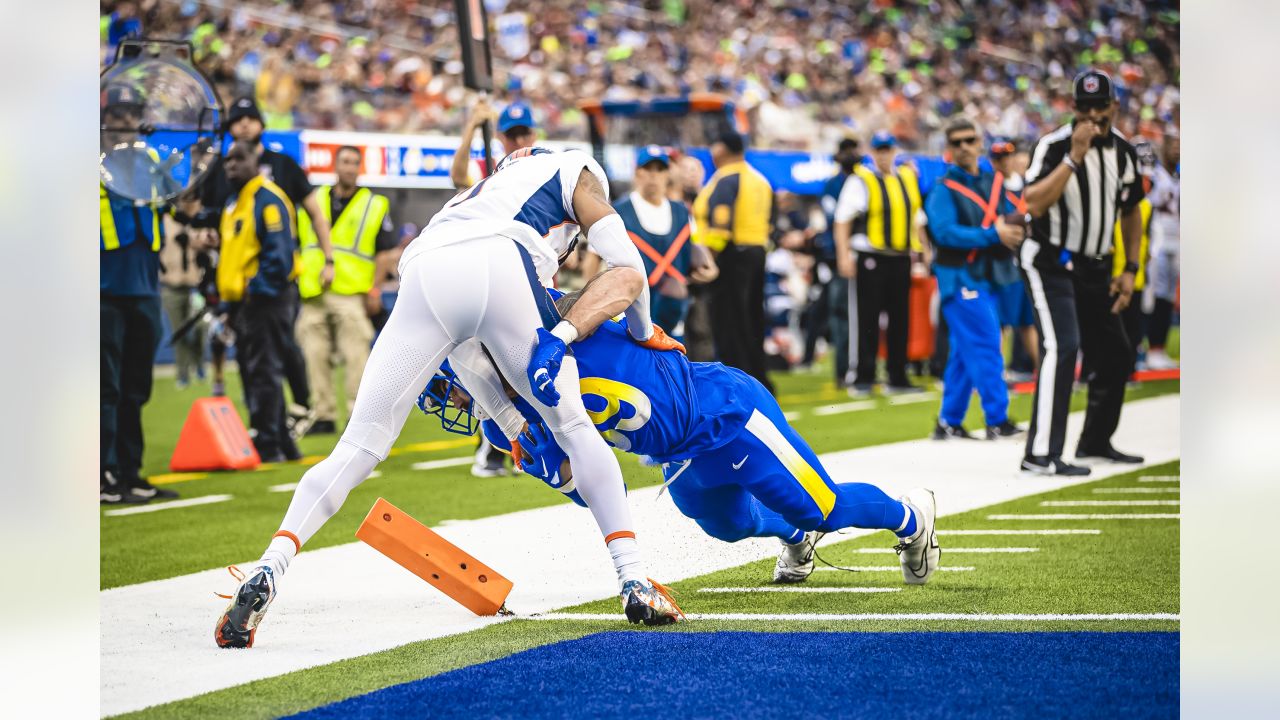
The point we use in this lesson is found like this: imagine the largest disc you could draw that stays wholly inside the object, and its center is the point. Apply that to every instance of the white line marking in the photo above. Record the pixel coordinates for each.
(799, 590)
(448, 462)
(912, 399)
(1107, 503)
(839, 408)
(791, 415)
(863, 617)
(951, 550)
(1018, 532)
(286, 487)
(1092, 516)
(1138, 490)
(156, 507)
(1160, 478)
(886, 568)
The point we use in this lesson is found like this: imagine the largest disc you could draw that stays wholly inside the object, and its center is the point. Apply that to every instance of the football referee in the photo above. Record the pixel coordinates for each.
(1083, 176)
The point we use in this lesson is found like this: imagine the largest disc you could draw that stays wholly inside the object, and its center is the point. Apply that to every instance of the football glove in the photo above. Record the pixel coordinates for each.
(542, 458)
(544, 366)
(660, 340)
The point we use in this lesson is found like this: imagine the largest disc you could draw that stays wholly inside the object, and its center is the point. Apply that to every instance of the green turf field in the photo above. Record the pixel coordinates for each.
(1130, 567)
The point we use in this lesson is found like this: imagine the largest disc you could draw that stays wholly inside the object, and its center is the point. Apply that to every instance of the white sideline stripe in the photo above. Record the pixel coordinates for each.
(1018, 532)
(157, 507)
(558, 563)
(839, 408)
(1137, 490)
(1160, 478)
(866, 617)
(799, 589)
(951, 550)
(912, 399)
(887, 568)
(1091, 516)
(1107, 503)
(437, 464)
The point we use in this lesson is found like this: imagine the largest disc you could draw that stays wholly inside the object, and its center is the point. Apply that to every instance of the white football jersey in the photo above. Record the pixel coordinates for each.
(529, 198)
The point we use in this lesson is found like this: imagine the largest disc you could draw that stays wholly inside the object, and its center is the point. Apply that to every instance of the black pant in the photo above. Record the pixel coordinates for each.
(295, 365)
(883, 285)
(264, 326)
(737, 310)
(1073, 313)
(130, 328)
(698, 337)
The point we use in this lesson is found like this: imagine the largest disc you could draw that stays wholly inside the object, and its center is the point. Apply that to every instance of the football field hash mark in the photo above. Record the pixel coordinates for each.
(886, 568)
(951, 550)
(437, 464)
(1106, 503)
(156, 507)
(1089, 516)
(1021, 532)
(839, 408)
(1160, 478)
(1137, 490)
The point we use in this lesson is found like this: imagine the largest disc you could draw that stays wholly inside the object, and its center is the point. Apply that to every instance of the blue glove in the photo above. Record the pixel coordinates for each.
(544, 366)
(542, 459)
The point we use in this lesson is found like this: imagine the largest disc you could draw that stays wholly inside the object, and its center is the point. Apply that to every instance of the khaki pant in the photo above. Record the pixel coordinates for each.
(188, 350)
(327, 323)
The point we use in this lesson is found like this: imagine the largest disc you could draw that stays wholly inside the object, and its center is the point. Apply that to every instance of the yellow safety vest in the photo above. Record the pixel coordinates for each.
(1139, 280)
(354, 237)
(109, 236)
(892, 202)
(238, 257)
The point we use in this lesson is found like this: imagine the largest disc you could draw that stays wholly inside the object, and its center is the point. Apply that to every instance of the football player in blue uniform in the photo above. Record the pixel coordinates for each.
(730, 459)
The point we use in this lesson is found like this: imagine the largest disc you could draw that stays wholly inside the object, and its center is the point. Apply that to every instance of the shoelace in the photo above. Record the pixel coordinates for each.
(236, 573)
(667, 593)
(683, 466)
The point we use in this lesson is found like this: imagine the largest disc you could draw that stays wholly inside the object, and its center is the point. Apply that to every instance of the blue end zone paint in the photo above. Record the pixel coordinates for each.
(747, 675)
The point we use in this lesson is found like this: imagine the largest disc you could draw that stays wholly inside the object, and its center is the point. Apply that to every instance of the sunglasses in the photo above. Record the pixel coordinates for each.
(1001, 148)
(957, 142)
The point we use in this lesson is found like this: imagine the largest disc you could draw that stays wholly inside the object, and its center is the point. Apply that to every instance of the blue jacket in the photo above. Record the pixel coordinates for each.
(955, 222)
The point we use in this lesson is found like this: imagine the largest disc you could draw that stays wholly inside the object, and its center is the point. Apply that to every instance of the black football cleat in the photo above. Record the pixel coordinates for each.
(239, 623)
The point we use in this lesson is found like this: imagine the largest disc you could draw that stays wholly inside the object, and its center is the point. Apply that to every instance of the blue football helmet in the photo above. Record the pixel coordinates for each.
(437, 399)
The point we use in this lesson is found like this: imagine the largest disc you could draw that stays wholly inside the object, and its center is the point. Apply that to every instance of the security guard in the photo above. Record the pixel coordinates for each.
(256, 271)
(966, 211)
(731, 219)
(875, 233)
(362, 236)
(660, 229)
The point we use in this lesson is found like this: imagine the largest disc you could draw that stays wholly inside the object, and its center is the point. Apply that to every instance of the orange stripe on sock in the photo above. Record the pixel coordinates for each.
(297, 546)
(620, 534)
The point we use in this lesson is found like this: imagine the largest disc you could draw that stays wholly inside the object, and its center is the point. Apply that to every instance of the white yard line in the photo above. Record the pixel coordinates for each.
(171, 505)
(895, 617)
(840, 408)
(888, 568)
(1160, 478)
(799, 590)
(1019, 532)
(1136, 491)
(347, 601)
(1109, 503)
(912, 399)
(448, 462)
(1091, 516)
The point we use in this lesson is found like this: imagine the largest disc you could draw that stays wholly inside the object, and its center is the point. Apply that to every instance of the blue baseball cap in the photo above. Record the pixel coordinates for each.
(883, 139)
(516, 115)
(651, 153)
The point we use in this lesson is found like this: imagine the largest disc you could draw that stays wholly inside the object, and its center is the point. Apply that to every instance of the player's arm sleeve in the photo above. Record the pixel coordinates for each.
(481, 379)
(945, 227)
(275, 258)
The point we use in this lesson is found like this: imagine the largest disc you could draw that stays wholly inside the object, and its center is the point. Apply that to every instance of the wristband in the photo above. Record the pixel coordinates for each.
(328, 261)
(1070, 163)
(1131, 267)
(565, 331)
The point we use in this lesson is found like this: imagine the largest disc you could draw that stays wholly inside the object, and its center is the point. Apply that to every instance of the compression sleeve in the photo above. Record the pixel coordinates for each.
(608, 238)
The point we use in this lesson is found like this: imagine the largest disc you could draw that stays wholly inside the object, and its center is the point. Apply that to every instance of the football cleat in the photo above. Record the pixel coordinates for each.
(795, 562)
(239, 622)
(650, 603)
(919, 554)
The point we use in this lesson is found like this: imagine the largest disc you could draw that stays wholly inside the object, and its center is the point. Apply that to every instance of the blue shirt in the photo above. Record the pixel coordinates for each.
(955, 221)
(133, 269)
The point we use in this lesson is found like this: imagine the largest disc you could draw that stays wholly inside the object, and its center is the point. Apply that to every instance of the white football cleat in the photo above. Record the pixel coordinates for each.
(650, 603)
(795, 562)
(919, 554)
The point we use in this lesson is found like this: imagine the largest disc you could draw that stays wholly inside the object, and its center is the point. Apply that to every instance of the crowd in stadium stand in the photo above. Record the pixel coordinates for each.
(807, 71)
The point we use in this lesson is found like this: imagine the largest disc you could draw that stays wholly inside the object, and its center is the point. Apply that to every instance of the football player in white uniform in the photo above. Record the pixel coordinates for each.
(478, 271)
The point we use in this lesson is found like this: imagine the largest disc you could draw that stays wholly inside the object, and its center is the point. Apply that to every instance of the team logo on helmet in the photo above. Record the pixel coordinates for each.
(1091, 83)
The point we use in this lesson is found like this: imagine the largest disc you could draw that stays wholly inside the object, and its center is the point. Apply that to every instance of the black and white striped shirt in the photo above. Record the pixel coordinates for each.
(1105, 184)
